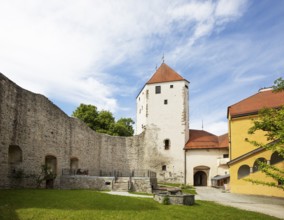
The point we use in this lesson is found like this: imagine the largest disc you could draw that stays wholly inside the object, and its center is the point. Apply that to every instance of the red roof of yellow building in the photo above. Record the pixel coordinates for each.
(200, 139)
(263, 99)
(165, 74)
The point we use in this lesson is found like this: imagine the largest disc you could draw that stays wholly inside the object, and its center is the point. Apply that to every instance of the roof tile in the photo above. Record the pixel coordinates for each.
(165, 74)
(252, 104)
(200, 139)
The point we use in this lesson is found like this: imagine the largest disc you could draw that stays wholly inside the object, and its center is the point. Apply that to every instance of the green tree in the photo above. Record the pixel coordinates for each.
(123, 127)
(104, 121)
(87, 114)
(271, 120)
(278, 85)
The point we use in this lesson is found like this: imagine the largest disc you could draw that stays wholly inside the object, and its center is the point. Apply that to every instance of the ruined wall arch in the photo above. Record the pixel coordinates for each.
(15, 154)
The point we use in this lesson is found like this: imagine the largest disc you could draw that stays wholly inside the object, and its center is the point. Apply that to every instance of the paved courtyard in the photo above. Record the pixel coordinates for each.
(267, 205)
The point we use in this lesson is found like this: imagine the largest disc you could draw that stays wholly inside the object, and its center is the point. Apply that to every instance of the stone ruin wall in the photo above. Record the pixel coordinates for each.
(40, 128)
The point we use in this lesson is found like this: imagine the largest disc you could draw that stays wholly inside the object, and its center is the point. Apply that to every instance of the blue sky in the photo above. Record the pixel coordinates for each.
(102, 52)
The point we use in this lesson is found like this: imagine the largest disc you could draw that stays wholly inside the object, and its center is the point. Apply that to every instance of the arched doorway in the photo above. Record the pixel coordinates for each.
(201, 175)
(74, 165)
(200, 178)
(51, 164)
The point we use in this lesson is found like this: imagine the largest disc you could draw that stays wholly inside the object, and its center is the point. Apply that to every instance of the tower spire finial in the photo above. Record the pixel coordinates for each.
(163, 58)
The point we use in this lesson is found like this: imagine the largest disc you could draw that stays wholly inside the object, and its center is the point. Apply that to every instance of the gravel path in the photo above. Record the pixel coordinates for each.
(128, 194)
(268, 205)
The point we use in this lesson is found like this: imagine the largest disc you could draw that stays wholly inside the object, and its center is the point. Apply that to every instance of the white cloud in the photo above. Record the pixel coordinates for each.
(64, 49)
(230, 8)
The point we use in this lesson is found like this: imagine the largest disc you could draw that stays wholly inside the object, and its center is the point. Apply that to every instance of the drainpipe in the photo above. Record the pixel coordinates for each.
(185, 173)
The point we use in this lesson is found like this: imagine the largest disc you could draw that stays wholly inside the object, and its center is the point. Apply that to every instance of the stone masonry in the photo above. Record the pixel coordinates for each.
(36, 127)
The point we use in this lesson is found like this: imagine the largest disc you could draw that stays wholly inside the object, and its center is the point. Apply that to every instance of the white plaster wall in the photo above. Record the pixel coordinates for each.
(205, 157)
(171, 121)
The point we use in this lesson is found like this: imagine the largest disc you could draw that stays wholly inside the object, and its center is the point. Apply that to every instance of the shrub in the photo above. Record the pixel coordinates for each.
(166, 200)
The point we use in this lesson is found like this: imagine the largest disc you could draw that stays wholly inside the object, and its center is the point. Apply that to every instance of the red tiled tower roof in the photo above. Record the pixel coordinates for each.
(252, 104)
(165, 74)
(200, 139)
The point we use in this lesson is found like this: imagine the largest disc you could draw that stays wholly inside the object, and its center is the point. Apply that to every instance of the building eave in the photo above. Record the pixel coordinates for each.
(244, 156)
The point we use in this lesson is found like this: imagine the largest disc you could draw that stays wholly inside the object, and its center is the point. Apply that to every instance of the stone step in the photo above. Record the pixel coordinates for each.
(120, 187)
(122, 180)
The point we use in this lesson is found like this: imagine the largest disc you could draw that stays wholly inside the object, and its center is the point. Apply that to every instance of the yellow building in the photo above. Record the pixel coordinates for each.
(243, 155)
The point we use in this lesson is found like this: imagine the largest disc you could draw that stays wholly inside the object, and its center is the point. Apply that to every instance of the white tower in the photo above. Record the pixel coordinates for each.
(162, 108)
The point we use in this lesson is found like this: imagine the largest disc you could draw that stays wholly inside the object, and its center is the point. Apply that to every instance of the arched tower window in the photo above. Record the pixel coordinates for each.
(255, 164)
(275, 158)
(167, 144)
(15, 154)
(243, 171)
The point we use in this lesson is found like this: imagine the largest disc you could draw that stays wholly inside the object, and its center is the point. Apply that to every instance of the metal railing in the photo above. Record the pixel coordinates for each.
(128, 173)
(72, 172)
(112, 173)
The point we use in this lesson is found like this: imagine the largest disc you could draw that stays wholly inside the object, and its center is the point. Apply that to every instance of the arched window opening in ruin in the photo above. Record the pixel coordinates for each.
(15, 154)
(243, 171)
(167, 144)
(275, 158)
(51, 163)
(164, 168)
(255, 167)
(200, 178)
(74, 164)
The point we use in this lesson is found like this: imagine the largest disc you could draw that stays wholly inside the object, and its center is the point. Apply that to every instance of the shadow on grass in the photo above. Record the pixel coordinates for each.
(72, 199)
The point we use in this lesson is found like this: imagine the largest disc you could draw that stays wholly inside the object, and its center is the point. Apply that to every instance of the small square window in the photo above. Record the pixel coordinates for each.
(171, 86)
(158, 89)
(165, 101)
(164, 168)
(186, 86)
(225, 155)
(167, 144)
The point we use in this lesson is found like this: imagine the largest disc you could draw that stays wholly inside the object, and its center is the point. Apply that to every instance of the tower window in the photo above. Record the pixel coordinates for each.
(186, 86)
(165, 101)
(158, 89)
(171, 86)
(167, 144)
(164, 168)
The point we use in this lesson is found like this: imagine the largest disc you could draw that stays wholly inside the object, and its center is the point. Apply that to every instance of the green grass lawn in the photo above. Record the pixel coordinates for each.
(88, 204)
